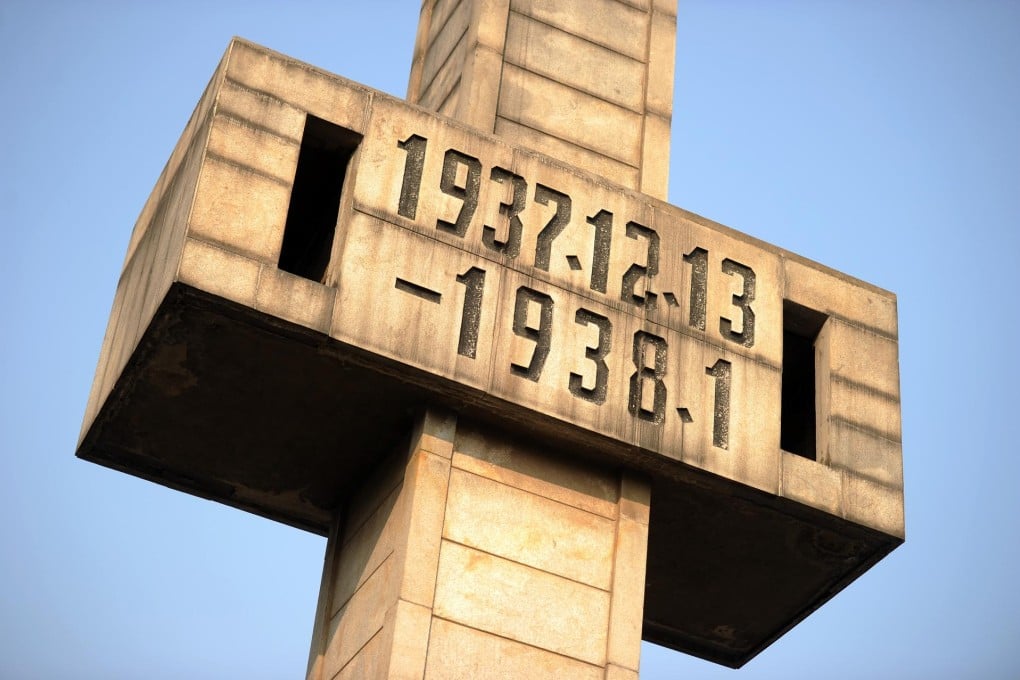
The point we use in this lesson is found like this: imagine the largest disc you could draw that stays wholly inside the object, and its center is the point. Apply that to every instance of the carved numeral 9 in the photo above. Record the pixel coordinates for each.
(468, 193)
(541, 336)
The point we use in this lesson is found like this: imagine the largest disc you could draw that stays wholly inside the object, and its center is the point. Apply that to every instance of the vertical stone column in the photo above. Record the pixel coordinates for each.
(586, 81)
(472, 556)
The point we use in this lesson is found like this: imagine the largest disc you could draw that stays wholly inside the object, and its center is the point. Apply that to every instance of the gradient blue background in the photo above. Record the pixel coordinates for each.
(879, 138)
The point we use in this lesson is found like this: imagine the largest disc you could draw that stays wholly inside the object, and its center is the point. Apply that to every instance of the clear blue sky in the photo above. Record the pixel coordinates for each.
(880, 138)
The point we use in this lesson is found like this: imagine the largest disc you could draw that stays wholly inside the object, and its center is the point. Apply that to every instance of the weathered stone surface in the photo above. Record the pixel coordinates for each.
(511, 600)
(544, 534)
(462, 653)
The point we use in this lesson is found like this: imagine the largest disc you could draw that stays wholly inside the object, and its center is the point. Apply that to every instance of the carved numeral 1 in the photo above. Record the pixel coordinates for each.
(721, 370)
(470, 317)
(411, 186)
(698, 259)
(603, 223)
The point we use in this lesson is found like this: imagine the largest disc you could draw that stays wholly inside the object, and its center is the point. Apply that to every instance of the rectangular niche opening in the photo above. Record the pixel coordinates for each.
(326, 150)
(798, 426)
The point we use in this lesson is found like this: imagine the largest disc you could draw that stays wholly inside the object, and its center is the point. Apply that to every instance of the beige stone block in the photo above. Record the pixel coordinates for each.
(864, 408)
(529, 529)
(841, 296)
(295, 298)
(665, 6)
(369, 663)
(181, 170)
(425, 487)
(240, 209)
(614, 672)
(521, 603)
(261, 110)
(655, 156)
(572, 60)
(480, 88)
(218, 271)
(373, 493)
(585, 487)
(435, 431)
(635, 497)
(411, 625)
(238, 142)
(461, 653)
(452, 31)
(568, 152)
(305, 87)
(606, 22)
(812, 483)
(626, 612)
(446, 79)
(661, 60)
(569, 114)
(449, 105)
(866, 454)
(366, 548)
(864, 358)
(442, 10)
(489, 23)
(361, 618)
(873, 504)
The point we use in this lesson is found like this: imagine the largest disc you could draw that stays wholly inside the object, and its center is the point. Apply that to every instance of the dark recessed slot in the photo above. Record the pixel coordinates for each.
(797, 421)
(326, 150)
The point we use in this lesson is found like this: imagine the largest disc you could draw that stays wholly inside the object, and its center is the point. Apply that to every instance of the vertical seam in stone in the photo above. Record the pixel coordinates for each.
(439, 553)
(612, 573)
(502, 63)
(644, 103)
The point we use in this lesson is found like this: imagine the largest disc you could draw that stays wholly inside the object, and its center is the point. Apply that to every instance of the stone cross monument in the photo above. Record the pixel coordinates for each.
(540, 413)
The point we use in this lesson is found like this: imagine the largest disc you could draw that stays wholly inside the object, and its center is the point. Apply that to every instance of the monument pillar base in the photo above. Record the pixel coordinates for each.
(470, 555)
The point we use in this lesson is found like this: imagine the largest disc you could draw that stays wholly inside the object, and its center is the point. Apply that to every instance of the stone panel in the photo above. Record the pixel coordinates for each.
(261, 110)
(570, 114)
(581, 486)
(873, 504)
(543, 534)
(613, 170)
(628, 594)
(517, 602)
(575, 61)
(812, 483)
(241, 143)
(361, 618)
(613, 24)
(305, 87)
(219, 271)
(295, 299)
(240, 209)
(443, 45)
(461, 653)
(835, 294)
